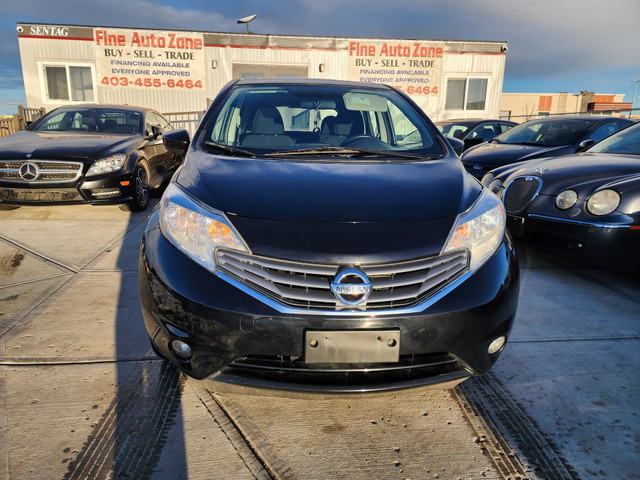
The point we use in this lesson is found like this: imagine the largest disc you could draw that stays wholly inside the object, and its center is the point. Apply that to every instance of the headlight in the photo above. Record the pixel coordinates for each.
(487, 179)
(194, 228)
(566, 199)
(603, 202)
(479, 230)
(106, 165)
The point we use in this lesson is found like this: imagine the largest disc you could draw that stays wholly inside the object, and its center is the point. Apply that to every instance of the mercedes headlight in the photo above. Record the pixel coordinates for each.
(112, 163)
(195, 229)
(479, 230)
(566, 199)
(603, 202)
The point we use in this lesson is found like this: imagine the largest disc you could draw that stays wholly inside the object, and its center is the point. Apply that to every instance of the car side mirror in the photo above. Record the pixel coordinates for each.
(472, 142)
(585, 144)
(156, 131)
(456, 144)
(176, 141)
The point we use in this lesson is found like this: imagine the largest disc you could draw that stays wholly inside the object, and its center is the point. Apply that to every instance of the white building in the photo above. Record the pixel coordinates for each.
(179, 71)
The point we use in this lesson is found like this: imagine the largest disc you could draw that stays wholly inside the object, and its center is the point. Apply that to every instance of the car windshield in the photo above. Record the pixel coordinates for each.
(88, 120)
(455, 130)
(626, 141)
(320, 120)
(546, 133)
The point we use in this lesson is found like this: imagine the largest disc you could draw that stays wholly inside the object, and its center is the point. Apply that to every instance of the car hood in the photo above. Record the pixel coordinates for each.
(501, 153)
(325, 191)
(43, 145)
(583, 172)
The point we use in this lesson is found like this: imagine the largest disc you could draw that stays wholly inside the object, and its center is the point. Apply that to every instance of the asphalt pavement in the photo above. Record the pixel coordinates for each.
(82, 396)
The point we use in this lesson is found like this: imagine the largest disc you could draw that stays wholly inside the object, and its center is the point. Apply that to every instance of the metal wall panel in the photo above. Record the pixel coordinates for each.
(223, 50)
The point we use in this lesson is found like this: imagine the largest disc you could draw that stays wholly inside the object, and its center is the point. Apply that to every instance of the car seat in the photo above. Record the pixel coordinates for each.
(268, 130)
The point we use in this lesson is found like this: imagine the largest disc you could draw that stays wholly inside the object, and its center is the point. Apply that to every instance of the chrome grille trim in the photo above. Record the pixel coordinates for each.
(520, 192)
(51, 171)
(296, 287)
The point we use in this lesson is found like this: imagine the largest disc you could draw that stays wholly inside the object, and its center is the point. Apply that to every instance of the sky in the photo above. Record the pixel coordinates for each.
(554, 45)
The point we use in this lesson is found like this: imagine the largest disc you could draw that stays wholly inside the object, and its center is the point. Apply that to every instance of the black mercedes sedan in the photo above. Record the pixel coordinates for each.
(87, 154)
(586, 205)
(288, 255)
(539, 138)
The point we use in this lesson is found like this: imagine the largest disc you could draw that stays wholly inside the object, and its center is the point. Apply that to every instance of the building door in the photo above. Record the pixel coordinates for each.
(269, 71)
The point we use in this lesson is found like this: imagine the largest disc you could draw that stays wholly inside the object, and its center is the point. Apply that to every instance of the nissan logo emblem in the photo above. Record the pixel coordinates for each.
(29, 171)
(351, 287)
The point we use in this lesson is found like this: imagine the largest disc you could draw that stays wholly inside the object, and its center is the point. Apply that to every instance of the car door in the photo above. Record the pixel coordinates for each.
(173, 160)
(160, 160)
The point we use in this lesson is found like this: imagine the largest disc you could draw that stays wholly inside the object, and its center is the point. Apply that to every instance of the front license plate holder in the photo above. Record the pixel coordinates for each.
(352, 346)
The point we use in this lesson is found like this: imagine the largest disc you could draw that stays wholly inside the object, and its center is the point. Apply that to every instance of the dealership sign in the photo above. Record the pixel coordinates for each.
(414, 67)
(149, 59)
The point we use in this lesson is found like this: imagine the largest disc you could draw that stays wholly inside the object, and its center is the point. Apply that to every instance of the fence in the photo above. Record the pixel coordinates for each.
(185, 120)
(17, 122)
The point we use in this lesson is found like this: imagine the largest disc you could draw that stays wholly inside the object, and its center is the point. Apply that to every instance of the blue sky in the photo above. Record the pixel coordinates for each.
(554, 45)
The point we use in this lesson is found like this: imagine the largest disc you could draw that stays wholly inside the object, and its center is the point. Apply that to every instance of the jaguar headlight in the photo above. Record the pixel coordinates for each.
(566, 199)
(112, 163)
(603, 202)
(479, 230)
(194, 228)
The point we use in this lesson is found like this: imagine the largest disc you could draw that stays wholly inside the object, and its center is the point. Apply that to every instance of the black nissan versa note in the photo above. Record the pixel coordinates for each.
(323, 236)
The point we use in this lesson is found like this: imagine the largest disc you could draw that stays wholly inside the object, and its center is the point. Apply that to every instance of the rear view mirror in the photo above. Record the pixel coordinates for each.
(456, 144)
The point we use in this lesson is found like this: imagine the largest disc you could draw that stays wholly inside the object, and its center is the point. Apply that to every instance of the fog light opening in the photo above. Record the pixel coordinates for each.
(496, 345)
(181, 350)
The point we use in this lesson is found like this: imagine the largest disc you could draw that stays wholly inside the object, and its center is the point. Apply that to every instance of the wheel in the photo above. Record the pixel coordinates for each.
(140, 199)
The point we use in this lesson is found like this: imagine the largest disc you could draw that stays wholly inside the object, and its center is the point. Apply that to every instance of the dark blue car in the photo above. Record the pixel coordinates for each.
(541, 138)
(323, 235)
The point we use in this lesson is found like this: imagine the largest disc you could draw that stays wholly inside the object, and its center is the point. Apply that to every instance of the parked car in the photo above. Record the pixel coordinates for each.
(542, 137)
(87, 154)
(282, 256)
(587, 203)
(474, 132)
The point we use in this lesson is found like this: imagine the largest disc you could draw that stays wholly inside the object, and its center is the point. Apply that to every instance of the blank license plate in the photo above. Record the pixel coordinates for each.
(353, 346)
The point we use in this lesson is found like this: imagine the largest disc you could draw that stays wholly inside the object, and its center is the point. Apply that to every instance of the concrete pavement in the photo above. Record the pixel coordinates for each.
(83, 396)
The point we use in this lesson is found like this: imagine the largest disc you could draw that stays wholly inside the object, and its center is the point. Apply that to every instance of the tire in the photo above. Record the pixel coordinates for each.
(140, 199)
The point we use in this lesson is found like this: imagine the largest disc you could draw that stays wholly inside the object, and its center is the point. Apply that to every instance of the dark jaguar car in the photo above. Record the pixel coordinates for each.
(587, 203)
(345, 259)
(87, 154)
(543, 137)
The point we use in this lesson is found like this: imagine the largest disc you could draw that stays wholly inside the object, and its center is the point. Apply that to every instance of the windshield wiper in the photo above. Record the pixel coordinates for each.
(350, 152)
(229, 149)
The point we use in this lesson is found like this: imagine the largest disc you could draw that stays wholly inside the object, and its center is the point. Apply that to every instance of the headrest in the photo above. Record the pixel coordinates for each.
(268, 121)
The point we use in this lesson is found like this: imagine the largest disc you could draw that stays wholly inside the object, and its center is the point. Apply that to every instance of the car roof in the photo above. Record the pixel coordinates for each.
(104, 105)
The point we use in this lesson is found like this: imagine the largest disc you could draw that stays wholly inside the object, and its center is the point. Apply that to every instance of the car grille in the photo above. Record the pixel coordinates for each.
(520, 192)
(50, 171)
(307, 286)
(49, 195)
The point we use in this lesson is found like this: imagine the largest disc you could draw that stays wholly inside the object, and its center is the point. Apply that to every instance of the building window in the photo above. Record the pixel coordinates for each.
(466, 94)
(69, 82)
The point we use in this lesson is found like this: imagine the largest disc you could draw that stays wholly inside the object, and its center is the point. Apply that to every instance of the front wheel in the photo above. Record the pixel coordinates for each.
(140, 191)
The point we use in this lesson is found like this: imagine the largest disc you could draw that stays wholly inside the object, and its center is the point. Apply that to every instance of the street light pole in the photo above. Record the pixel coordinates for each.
(633, 97)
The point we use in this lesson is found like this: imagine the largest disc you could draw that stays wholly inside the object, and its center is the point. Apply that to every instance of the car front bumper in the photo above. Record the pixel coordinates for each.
(610, 245)
(239, 339)
(106, 189)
